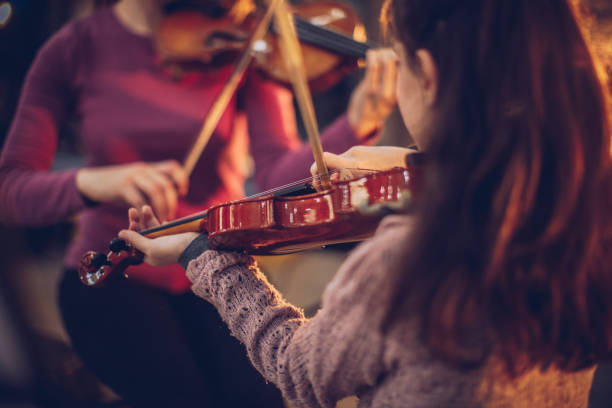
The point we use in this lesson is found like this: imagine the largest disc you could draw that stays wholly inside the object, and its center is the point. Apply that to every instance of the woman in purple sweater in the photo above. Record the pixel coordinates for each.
(496, 290)
(136, 122)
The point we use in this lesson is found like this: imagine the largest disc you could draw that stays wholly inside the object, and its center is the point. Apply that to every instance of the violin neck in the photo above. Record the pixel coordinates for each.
(192, 223)
(330, 40)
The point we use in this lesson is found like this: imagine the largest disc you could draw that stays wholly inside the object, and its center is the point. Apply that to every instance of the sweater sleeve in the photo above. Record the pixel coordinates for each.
(29, 192)
(280, 157)
(315, 362)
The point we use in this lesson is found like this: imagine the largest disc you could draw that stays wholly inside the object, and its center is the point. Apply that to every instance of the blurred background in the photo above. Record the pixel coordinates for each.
(37, 365)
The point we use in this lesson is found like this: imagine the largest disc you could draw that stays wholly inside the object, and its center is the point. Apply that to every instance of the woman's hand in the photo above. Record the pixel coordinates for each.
(136, 184)
(374, 98)
(366, 158)
(158, 251)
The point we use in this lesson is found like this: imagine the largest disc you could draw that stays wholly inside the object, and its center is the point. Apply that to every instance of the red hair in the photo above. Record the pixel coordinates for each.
(514, 244)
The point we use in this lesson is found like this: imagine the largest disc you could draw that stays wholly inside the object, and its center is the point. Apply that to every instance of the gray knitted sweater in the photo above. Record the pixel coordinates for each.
(339, 352)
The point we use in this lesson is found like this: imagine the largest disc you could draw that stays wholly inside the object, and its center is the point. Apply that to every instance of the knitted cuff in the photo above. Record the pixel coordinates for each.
(194, 249)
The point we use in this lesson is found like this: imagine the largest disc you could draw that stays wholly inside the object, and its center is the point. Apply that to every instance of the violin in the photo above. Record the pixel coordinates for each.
(331, 35)
(278, 222)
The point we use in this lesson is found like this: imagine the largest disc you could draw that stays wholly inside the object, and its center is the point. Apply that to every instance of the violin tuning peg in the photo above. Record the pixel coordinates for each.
(117, 245)
(98, 260)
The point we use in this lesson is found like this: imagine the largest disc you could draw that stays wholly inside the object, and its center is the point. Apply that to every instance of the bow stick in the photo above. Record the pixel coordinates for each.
(220, 104)
(291, 51)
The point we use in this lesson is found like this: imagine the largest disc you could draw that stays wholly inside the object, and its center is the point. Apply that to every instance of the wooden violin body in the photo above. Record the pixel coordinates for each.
(349, 211)
(331, 34)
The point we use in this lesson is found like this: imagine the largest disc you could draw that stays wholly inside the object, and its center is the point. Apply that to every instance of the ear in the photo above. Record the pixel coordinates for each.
(429, 76)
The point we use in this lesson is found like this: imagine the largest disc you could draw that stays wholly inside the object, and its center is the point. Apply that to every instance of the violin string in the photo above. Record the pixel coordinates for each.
(340, 44)
(327, 36)
(292, 184)
(280, 188)
(330, 39)
(329, 33)
(307, 180)
(328, 44)
(336, 45)
(286, 186)
(275, 189)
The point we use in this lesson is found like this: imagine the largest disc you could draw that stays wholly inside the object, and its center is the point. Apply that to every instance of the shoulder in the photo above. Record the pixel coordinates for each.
(73, 30)
(74, 36)
(390, 240)
(396, 223)
(366, 269)
(71, 50)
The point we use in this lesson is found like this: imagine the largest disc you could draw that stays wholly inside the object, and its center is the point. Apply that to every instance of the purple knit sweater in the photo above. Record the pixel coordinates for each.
(340, 352)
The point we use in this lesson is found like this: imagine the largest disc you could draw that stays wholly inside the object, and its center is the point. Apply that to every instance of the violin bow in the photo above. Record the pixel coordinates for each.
(291, 50)
(220, 104)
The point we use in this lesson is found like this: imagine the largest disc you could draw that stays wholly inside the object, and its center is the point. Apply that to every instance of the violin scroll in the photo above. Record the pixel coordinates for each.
(97, 269)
